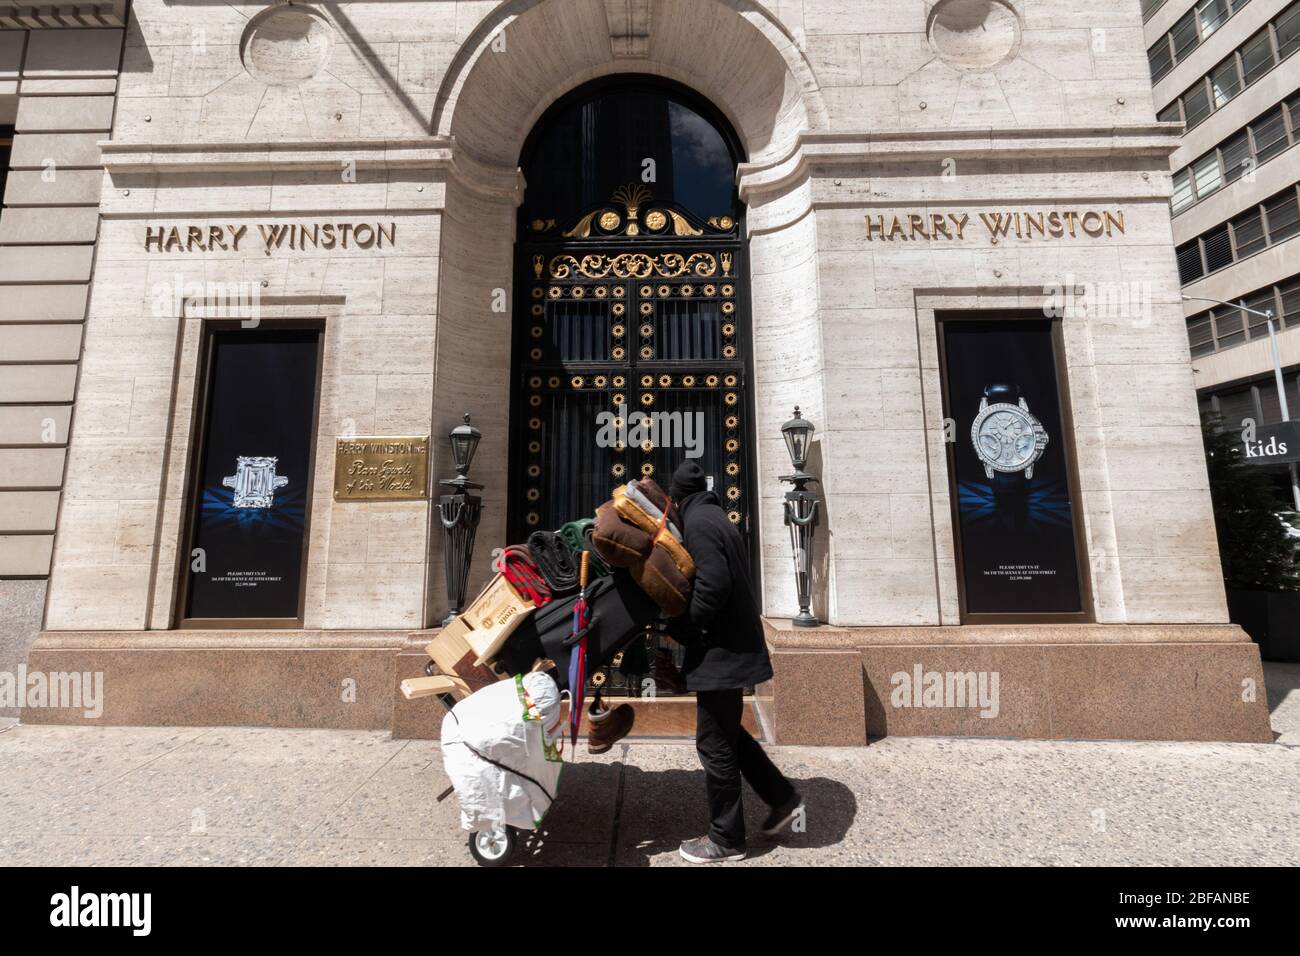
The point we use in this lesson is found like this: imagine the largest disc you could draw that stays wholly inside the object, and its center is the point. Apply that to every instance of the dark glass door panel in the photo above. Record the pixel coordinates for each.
(671, 384)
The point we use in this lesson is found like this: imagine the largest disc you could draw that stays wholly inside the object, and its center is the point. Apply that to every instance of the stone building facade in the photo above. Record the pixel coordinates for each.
(58, 80)
(906, 166)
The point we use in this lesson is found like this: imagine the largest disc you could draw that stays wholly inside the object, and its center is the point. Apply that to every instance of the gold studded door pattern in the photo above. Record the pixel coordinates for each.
(630, 342)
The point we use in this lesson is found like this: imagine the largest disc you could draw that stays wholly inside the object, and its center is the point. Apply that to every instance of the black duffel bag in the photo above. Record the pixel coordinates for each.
(618, 610)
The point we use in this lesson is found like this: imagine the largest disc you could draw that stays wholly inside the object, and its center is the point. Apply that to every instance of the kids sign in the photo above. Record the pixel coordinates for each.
(1272, 445)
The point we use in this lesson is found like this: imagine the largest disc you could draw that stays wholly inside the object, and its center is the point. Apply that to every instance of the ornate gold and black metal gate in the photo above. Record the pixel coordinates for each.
(630, 342)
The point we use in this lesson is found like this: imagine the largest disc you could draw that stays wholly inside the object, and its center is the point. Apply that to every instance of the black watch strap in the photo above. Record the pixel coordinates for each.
(1010, 394)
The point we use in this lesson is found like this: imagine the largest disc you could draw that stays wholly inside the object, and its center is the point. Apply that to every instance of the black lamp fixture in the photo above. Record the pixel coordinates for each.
(459, 512)
(798, 433)
(801, 507)
(464, 442)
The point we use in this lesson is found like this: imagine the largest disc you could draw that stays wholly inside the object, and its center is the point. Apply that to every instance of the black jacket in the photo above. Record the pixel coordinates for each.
(725, 648)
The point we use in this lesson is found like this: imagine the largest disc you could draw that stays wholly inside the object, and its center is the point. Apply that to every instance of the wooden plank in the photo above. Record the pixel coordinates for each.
(414, 688)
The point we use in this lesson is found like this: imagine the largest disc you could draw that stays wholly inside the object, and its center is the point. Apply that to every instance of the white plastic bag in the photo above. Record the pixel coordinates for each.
(501, 747)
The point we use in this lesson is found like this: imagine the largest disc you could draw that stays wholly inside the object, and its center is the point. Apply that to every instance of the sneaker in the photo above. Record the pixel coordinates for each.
(666, 675)
(781, 816)
(608, 727)
(704, 850)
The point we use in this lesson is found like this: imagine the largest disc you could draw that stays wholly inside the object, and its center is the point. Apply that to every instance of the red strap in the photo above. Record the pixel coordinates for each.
(516, 565)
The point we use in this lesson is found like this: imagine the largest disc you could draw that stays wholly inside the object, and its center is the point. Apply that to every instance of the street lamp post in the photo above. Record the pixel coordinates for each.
(459, 512)
(1267, 315)
(801, 507)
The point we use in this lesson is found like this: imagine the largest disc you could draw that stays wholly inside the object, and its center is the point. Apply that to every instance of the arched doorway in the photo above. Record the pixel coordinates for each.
(631, 315)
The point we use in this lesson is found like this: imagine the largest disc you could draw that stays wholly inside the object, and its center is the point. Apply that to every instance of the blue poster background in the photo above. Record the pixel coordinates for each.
(262, 390)
(1018, 548)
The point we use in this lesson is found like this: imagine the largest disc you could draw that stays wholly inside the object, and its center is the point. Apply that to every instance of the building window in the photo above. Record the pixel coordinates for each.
(1161, 59)
(1184, 36)
(1237, 406)
(1224, 326)
(1217, 246)
(1225, 81)
(1257, 401)
(1283, 216)
(1183, 195)
(1257, 56)
(1288, 32)
(1248, 230)
(1149, 7)
(1211, 14)
(1265, 301)
(1196, 105)
(1200, 335)
(1243, 67)
(1208, 178)
(1228, 326)
(1236, 156)
(1196, 26)
(1189, 262)
(1268, 136)
(1288, 295)
(1272, 221)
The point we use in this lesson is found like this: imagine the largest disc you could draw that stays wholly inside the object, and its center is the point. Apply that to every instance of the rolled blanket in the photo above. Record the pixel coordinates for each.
(575, 536)
(637, 505)
(677, 551)
(659, 498)
(633, 505)
(621, 543)
(554, 560)
(659, 577)
(589, 540)
(516, 564)
(619, 612)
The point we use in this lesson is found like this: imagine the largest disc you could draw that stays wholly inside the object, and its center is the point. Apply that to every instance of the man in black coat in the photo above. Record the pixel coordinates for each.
(725, 652)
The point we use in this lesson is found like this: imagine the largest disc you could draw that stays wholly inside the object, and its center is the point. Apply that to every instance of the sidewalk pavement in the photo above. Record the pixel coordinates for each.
(219, 796)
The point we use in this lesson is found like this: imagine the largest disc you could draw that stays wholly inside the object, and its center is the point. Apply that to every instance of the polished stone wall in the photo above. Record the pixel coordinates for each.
(414, 113)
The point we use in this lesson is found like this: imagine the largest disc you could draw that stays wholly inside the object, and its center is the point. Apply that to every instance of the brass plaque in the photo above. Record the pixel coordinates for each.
(381, 469)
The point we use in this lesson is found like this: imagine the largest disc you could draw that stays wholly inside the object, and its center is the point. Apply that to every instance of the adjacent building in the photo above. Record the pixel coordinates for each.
(1226, 69)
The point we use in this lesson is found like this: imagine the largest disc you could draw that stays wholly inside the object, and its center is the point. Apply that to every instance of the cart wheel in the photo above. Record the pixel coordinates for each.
(492, 847)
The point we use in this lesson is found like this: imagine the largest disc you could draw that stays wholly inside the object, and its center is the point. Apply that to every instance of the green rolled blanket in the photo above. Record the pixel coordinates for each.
(577, 535)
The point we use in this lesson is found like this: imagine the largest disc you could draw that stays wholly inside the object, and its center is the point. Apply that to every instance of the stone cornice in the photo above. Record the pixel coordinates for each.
(1031, 144)
(35, 16)
(432, 153)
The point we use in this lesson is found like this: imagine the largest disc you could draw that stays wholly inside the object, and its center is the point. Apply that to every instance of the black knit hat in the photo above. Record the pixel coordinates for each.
(687, 479)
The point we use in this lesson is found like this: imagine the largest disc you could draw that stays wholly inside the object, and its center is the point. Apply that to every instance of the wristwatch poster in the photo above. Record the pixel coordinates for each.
(1007, 438)
(1015, 517)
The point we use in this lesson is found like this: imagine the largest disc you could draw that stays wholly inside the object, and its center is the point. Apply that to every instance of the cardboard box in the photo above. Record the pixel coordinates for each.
(453, 654)
(466, 645)
(493, 616)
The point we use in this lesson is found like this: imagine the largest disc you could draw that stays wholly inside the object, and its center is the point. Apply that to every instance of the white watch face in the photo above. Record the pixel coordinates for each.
(1006, 438)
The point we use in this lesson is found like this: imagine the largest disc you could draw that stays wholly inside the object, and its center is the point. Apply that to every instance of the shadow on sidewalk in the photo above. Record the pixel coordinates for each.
(655, 810)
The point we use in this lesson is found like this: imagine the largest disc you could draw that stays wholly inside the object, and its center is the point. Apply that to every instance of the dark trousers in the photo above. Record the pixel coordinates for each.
(729, 753)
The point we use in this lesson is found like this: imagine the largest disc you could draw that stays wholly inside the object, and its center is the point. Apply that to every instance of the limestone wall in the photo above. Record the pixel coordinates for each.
(414, 113)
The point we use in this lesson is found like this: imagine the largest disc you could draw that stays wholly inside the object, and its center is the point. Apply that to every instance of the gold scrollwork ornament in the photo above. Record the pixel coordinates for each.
(637, 265)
